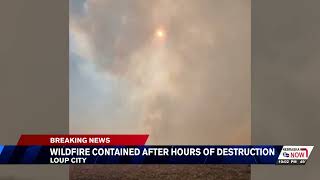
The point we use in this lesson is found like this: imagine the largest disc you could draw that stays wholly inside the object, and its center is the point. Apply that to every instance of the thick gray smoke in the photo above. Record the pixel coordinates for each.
(191, 82)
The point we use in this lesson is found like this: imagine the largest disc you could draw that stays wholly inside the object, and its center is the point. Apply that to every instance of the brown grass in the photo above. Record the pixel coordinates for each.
(163, 172)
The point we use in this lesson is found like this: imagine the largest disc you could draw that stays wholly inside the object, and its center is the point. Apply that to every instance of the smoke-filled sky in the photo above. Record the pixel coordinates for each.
(177, 70)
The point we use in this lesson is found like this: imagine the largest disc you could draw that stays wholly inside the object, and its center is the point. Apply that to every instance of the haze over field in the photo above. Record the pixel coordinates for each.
(177, 70)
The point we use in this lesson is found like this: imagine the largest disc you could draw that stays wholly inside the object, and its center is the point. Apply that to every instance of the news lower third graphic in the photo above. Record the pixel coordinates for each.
(131, 149)
(294, 154)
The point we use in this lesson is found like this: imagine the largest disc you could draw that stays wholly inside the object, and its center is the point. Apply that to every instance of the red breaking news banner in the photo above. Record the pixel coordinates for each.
(82, 140)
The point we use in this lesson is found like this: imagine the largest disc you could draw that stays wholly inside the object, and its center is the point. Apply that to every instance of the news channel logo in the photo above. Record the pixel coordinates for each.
(294, 155)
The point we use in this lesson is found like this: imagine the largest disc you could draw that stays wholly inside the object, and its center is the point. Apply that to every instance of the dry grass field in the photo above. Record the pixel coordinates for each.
(163, 172)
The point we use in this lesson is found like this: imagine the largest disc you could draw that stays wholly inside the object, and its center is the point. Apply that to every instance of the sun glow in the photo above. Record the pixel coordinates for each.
(160, 33)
